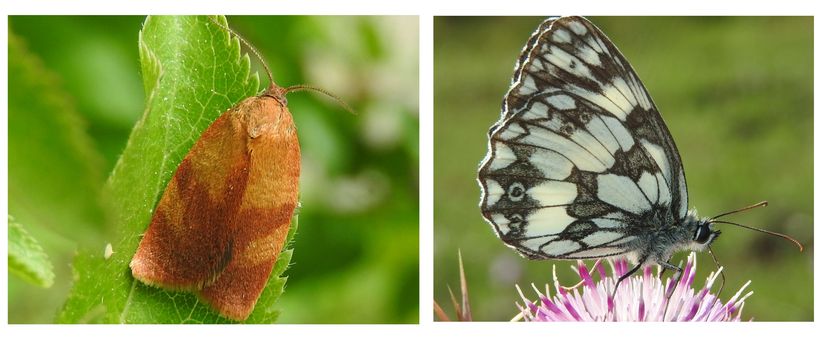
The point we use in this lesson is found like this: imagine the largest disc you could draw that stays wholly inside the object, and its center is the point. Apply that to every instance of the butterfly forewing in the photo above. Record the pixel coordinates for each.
(580, 164)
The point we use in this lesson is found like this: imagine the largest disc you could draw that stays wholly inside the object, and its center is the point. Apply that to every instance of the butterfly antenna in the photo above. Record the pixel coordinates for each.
(248, 45)
(757, 205)
(296, 88)
(797, 243)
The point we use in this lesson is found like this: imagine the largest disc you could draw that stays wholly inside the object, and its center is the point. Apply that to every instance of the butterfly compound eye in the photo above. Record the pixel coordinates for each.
(703, 233)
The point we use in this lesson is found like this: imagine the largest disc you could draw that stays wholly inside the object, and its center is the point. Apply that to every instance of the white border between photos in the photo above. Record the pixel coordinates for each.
(426, 10)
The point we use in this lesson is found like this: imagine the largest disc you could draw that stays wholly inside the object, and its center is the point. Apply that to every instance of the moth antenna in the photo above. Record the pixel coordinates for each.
(293, 88)
(248, 45)
(757, 205)
(341, 102)
(798, 244)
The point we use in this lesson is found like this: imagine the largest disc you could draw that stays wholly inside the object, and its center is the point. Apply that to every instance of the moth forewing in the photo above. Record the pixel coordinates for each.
(223, 219)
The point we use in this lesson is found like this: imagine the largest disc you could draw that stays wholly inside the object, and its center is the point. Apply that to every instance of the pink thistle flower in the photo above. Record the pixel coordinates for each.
(638, 298)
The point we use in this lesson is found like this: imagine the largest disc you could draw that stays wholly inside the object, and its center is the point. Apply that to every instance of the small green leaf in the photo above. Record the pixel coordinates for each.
(192, 71)
(27, 258)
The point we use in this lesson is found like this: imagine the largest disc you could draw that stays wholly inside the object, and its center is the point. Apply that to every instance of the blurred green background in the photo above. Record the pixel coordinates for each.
(735, 92)
(356, 253)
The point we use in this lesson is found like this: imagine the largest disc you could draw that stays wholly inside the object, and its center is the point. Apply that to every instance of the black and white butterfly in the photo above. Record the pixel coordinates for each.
(580, 164)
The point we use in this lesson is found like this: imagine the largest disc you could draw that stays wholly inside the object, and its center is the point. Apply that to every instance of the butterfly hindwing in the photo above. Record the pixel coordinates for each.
(581, 164)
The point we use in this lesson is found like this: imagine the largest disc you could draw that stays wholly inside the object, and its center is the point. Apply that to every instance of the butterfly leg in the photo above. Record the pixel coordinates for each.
(590, 272)
(718, 268)
(677, 269)
(672, 288)
(664, 269)
(666, 266)
(722, 273)
(628, 274)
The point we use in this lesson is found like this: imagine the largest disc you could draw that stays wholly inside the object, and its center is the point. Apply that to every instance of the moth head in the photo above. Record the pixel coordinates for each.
(276, 92)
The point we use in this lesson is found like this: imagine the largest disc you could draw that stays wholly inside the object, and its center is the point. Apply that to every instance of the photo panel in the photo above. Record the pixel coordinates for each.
(194, 169)
(574, 154)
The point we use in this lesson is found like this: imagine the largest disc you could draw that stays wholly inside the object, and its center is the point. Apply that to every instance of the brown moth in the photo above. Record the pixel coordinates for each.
(224, 216)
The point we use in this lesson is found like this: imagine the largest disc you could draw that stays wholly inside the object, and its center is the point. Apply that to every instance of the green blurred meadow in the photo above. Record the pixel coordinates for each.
(356, 252)
(735, 92)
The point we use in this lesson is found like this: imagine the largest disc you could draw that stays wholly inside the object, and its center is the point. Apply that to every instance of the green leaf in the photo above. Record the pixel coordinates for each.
(55, 175)
(192, 72)
(27, 258)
